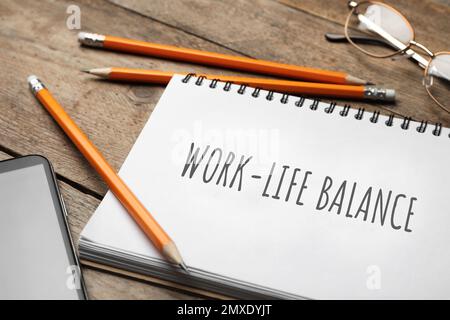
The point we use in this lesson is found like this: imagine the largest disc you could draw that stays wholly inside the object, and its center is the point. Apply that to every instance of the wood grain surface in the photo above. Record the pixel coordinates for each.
(100, 284)
(34, 39)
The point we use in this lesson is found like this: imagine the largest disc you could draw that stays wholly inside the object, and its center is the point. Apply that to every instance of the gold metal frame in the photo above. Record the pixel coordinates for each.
(353, 11)
(427, 88)
(354, 6)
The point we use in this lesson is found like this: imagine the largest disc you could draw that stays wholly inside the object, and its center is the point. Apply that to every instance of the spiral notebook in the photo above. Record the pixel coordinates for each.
(275, 196)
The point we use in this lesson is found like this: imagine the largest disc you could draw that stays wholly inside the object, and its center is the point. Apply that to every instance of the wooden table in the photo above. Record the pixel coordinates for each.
(34, 39)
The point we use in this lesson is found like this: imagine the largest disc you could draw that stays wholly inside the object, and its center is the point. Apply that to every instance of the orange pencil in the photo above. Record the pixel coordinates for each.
(217, 59)
(134, 207)
(285, 86)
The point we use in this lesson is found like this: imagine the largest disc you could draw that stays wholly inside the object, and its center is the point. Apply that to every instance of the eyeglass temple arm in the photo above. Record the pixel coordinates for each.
(335, 37)
(373, 27)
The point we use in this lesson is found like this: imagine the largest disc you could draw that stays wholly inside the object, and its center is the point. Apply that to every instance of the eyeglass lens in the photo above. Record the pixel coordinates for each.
(437, 79)
(370, 17)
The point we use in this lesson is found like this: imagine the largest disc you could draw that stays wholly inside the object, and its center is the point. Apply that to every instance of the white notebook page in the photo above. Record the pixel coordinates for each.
(276, 243)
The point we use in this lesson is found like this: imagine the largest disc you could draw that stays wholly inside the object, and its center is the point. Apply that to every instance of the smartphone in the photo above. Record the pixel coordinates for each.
(37, 257)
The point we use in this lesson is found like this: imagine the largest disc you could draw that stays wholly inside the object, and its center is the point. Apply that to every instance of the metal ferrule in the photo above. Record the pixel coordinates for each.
(35, 84)
(376, 93)
(91, 39)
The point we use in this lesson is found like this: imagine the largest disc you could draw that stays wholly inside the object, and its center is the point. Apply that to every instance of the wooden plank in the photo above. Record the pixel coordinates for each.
(34, 40)
(158, 281)
(269, 30)
(113, 114)
(101, 285)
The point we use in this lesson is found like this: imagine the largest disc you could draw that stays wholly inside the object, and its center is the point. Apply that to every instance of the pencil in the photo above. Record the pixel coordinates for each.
(130, 202)
(284, 86)
(217, 59)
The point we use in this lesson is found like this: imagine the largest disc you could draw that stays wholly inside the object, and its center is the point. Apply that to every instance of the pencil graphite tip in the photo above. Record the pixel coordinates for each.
(100, 72)
(355, 80)
(173, 255)
(184, 267)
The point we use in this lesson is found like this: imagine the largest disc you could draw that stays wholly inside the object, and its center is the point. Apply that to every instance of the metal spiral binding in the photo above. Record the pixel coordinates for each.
(200, 80)
(213, 83)
(256, 92)
(359, 115)
(437, 129)
(344, 112)
(405, 125)
(284, 98)
(390, 121)
(188, 77)
(299, 103)
(406, 122)
(375, 116)
(330, 108)
(422, 127)
(315, 104)
(242, 88)
(227, 86)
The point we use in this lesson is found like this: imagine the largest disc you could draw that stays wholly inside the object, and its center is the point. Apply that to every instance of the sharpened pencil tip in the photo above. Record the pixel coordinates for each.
(355, 80)
(184, 267)
(100, 72)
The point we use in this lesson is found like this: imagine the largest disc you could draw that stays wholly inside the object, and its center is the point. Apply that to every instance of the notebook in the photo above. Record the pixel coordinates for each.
(274, 196)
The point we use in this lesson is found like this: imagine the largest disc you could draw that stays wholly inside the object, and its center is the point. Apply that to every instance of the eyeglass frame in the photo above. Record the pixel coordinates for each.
(402, 48)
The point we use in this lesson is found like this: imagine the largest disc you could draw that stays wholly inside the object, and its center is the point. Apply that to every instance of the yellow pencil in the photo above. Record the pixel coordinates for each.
(284, 86)
(217, 59)
(135, 208)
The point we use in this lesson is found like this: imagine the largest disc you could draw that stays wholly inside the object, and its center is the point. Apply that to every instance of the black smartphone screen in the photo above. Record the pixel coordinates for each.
(37, 259)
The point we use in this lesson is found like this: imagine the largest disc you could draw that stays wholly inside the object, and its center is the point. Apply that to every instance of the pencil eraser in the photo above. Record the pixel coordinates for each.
(82, 36)
(91, 39)
(390, 95)
(32, 78)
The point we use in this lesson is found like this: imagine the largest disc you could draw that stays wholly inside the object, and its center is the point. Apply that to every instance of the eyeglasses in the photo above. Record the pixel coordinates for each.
(390, 30)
